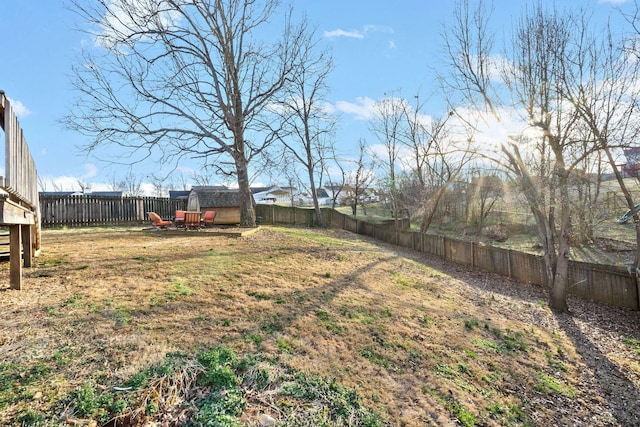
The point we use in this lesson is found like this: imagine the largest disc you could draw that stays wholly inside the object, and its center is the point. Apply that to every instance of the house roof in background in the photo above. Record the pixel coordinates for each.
(57, 193)
(77, 193)
(106, 193)
(179, 194)
(322, 193)
(255, 190)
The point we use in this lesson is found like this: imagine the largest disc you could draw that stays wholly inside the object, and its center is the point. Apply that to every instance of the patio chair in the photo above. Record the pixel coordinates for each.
(192, 220)
(157, 222)
(207, 219)
(179, 219)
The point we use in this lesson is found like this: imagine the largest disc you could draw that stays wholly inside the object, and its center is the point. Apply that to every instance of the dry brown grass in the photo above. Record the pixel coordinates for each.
(423, 342)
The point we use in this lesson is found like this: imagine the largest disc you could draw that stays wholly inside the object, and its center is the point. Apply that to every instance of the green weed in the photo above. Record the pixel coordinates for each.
(555, 364)
(284, 346)
(471, 323)
(324, 403)
(324, 318)
(122, 316)
(633, 344)
(16, 381)
(374, 357)
(73, 301)
(548, 384)
(258, 295)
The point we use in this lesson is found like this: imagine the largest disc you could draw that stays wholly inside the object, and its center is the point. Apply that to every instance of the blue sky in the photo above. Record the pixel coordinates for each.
(379, 47)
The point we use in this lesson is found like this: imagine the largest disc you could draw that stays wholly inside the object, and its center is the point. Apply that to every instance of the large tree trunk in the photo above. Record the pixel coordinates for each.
(314, 196)
(312, 180)
(247, 211)
(559, 287)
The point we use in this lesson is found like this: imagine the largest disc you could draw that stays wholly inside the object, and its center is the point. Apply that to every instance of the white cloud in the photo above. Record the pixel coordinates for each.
(377, 29)
(90, 170)
(354, 34)
(19, 108)
(126, 21)
(613, 1)
(359, 34)
(363, 109)
(392, 44)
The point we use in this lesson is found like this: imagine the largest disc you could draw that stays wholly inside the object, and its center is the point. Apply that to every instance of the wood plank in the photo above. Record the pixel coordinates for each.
(27, 245)
(15, 257)
(11, 214)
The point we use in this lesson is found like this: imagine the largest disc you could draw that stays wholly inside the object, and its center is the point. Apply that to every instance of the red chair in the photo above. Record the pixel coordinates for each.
(179, 219)
(207, 219)
(157, 222)
(192, 220)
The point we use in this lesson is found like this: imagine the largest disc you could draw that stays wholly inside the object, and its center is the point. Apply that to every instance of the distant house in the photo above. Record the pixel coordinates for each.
(271, 195)
(179, 194)
(226, 203)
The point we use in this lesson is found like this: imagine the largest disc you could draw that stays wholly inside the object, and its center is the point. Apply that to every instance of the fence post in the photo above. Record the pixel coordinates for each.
(473, 255)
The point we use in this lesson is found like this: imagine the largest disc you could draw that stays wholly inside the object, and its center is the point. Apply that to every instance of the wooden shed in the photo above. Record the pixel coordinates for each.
(225, 201)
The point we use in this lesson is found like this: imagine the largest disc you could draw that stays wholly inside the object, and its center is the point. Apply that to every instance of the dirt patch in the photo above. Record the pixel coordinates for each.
(422, 342)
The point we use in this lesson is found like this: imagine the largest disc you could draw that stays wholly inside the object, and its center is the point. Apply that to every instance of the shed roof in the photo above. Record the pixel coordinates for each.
(214, 197)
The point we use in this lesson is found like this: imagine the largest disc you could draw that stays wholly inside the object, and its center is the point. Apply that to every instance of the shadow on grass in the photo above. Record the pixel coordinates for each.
(607, 375)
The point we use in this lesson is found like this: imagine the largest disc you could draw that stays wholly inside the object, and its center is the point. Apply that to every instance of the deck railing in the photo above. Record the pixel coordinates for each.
(19, 203)
(21, 180)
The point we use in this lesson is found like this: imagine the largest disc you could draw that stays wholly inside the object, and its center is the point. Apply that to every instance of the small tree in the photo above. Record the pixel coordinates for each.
(483, 193)
(360, 179)
(307, 129)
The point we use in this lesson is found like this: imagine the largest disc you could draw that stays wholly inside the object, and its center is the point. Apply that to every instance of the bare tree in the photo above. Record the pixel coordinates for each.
(360, 178)
(387, 126)
(336, 181)
(85, 186)
(538, 52)
(158, 182)
(483, 193)
(446, 161)
(605, 94)
(307, 128)
(130, 184)
(433, 161)
(43, 183)
(178, 78)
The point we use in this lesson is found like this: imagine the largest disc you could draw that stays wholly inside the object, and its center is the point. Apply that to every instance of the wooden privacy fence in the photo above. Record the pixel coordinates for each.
(19, 209)
(610, 284)
(87, 210)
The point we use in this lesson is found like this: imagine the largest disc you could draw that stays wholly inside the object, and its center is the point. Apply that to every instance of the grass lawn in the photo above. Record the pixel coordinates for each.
(297, 327)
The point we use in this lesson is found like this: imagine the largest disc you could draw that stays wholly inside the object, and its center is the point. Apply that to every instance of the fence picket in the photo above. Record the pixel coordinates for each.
(87, 210)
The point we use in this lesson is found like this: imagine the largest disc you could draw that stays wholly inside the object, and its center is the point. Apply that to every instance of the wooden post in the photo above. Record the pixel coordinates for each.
(15, 258)
(27, 245)
(473, 255)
